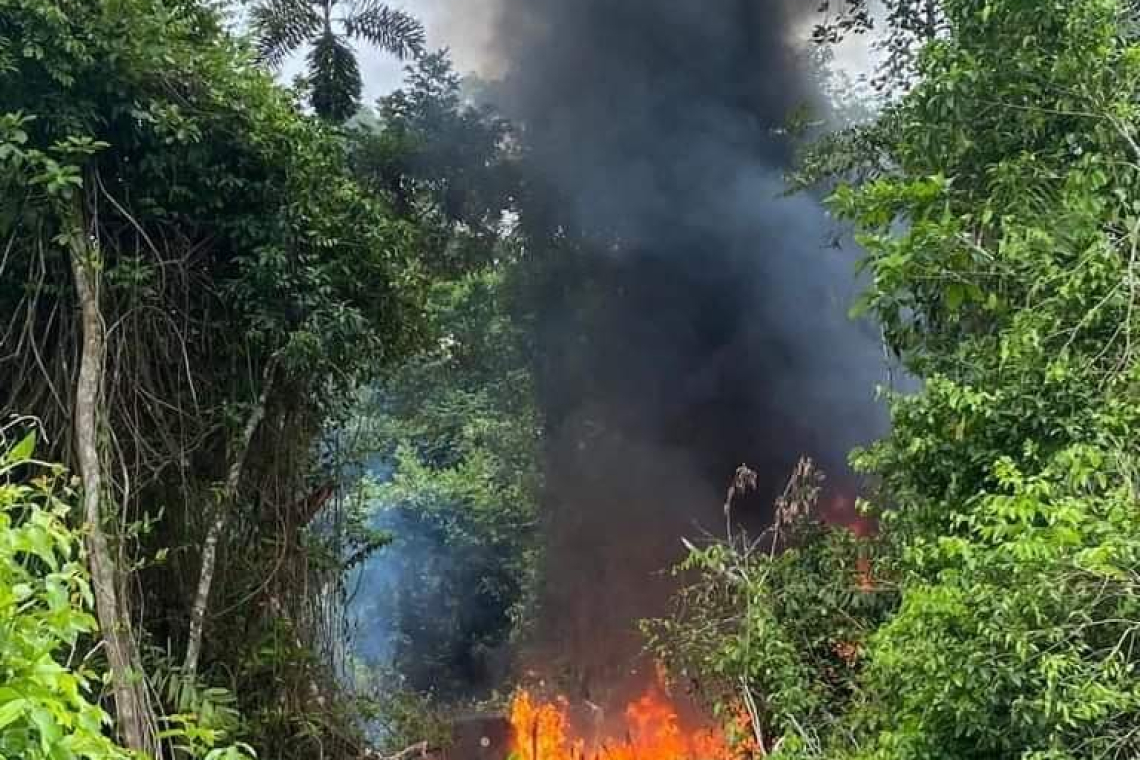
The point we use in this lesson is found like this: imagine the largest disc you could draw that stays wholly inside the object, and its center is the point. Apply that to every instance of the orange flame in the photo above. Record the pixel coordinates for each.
(653, 731)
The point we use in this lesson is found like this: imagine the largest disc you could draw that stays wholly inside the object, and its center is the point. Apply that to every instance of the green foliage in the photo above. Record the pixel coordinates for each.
(45, 702)
(443, 161)
(282, 27)
(243, 269)
(461, 431)
(203, 719)
(1012, 474)
(995, 201)
(776, 629)
(457, 423)
(901, 29)
(1021, 638)
(302, 265)
(405, 717)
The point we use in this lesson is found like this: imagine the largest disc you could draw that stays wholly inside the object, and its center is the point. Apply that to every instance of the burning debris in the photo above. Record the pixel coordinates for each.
(652, 726)
(652, 730)
(655, 724)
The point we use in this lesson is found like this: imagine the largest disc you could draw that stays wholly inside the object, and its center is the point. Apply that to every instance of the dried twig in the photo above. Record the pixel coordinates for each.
(743, 482)
(798, 499)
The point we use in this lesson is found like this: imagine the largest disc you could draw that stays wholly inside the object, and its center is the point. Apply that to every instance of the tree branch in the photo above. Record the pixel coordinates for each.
(218, 525)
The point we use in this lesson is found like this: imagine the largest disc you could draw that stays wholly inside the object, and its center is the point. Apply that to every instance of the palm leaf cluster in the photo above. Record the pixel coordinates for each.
(328, 28)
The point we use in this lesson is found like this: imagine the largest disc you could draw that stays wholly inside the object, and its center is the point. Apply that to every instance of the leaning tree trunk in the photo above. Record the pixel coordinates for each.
(132, 706)
(217, 528)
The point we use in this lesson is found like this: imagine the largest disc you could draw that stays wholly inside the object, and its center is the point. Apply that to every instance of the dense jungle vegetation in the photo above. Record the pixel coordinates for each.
(236, 315)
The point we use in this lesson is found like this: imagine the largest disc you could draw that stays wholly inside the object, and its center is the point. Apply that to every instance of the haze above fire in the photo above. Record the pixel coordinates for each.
(697, 319)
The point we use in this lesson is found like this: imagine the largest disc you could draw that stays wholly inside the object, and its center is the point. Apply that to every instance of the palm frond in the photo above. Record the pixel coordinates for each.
(282, 26)
(334, 78)
(400, 33)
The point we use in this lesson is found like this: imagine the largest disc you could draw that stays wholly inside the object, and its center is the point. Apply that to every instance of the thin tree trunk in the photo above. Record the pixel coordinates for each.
(132, 707)
(225, 504)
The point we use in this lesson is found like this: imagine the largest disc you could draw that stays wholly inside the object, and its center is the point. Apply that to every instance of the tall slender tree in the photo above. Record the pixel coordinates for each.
(328, 28)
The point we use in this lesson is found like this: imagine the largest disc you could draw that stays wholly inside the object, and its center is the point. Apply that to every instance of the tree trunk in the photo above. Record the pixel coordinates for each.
(132, 706)
(225, 504)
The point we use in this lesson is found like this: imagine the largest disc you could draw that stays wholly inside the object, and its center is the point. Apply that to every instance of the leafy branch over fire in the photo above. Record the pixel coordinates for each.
(773, 626)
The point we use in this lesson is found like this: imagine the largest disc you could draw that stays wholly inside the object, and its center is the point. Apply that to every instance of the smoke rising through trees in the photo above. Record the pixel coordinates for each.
(691, 317)
(685, 316)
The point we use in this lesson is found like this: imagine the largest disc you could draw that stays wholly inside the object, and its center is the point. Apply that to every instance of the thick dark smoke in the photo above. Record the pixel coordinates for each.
(696, 319)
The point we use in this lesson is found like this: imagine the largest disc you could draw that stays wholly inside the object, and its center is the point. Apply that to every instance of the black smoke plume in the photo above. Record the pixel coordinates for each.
(690, 318)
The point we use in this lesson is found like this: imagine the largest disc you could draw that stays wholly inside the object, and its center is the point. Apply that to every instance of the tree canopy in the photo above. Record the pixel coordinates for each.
(237, 286)
(328, 28)
(253, 353)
